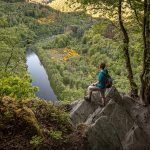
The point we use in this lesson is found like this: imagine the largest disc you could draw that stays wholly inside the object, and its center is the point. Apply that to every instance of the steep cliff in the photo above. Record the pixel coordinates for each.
(121, 124)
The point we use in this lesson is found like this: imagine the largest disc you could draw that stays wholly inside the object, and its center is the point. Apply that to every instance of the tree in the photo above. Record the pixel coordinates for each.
(18, 87)
(11, 53)
(136, 6)
(110, 6)
(145, 76)
(12, 41)
(134, 88)
(139, 7)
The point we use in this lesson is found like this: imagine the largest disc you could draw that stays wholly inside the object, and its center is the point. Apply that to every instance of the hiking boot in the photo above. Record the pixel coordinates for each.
(86, 98)
(101, 104)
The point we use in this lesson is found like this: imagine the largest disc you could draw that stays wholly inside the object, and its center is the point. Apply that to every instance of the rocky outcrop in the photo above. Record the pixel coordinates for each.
(116, 116)
(103, 136)
(81, 110)
(113, 127)
(135, 139)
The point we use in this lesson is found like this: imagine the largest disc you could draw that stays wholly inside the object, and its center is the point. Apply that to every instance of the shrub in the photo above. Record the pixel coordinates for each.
(56, 135)
(36, 141)
(18, 87)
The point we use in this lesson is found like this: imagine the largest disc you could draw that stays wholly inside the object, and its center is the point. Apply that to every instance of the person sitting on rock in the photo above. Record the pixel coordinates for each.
(99, 85)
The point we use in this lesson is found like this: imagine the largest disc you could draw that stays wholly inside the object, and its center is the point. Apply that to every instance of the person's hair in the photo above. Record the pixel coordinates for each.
(102, 66)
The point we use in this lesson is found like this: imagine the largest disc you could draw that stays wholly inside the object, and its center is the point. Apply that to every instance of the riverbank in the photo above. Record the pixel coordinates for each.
(65, 91)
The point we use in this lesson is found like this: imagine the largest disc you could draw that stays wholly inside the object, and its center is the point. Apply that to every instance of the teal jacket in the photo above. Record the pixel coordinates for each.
(101, 78)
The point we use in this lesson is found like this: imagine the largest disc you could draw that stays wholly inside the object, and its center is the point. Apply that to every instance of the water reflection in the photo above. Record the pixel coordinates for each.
(39, 77)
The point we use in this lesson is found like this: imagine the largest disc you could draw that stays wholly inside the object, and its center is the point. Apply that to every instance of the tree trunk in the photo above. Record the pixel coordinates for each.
(8, 61)
(133, 86)
(145, 76)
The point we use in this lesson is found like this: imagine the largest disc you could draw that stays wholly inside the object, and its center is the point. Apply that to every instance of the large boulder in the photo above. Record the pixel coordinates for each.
(81, 110)
(118, 117)
(103, 136)
(109, 125)
(136, 140)
(121, 124)
(90, 112)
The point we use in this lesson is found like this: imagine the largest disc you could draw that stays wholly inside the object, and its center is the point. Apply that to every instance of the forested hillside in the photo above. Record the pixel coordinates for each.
(71, 45)
(94, 41)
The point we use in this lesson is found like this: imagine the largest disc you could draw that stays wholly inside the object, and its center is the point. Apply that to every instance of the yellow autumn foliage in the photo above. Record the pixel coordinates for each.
(69, 54)
(62, 54)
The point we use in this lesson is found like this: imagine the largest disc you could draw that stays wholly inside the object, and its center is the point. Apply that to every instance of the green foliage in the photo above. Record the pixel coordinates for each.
(58, 41)
(18, 87)
(36, 141)
(16, 117)
(50, 114)
(35, 124)
(12, 41)
(76, 74)
(3, 22)
(30, 23)
(56, 135)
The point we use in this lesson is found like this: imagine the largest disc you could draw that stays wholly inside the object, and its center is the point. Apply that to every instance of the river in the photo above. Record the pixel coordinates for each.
(39, 77)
